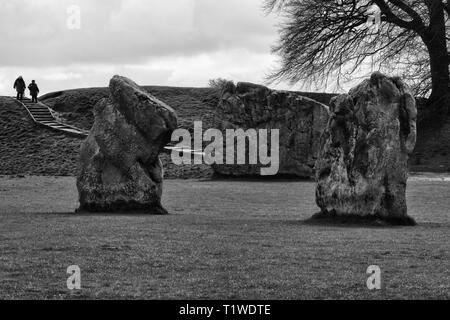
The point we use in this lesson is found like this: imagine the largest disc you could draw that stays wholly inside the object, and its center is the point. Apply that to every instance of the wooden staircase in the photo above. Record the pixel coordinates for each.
(43, 116)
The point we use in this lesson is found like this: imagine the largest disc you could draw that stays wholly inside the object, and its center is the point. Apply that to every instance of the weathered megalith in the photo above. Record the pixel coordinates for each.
(301, 122)
(362, 170)
(120, 169)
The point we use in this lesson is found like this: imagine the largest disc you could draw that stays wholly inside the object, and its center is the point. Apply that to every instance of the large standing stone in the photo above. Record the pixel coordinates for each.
(301, 122)
(363, 166)
(120, 169)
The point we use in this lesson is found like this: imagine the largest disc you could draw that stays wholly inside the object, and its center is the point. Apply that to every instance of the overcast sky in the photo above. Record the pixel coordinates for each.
(154, 42)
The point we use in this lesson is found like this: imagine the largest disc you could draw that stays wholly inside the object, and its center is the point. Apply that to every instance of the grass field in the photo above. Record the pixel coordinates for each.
(223, 240)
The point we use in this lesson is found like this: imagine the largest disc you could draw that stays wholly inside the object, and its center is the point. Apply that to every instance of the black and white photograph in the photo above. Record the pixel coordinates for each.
(221, 156)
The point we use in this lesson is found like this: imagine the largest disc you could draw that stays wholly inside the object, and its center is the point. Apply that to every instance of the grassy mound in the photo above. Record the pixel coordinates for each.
(74, 106)
(191, 104)
(29, 150)
(26, 149)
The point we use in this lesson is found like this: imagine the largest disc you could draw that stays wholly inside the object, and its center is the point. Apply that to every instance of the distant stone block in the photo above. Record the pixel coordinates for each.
(300, 122)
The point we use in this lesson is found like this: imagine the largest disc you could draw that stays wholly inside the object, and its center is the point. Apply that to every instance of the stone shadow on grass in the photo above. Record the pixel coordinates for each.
(332, 219)
(127, 207)
(131, 214)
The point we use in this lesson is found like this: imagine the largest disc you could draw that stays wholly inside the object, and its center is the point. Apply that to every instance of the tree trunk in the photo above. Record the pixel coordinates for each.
(440, 77)
(435, 40)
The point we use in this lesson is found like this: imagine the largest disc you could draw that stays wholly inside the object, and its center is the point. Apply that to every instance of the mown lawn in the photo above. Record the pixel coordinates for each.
(223, 240)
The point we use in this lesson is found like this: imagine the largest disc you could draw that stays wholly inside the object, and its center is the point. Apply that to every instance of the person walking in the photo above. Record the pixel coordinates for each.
(20, 87)
(34, 90)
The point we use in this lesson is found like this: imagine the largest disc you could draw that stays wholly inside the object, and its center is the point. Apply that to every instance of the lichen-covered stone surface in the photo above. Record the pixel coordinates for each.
(120, 169)
(362, 170)
(301, 122)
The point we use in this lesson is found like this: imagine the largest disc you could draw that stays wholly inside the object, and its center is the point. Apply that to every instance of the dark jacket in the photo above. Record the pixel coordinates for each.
(34, 89)
(20, 85)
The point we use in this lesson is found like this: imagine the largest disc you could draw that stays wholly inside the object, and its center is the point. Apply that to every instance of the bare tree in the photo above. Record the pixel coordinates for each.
(320, 39)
